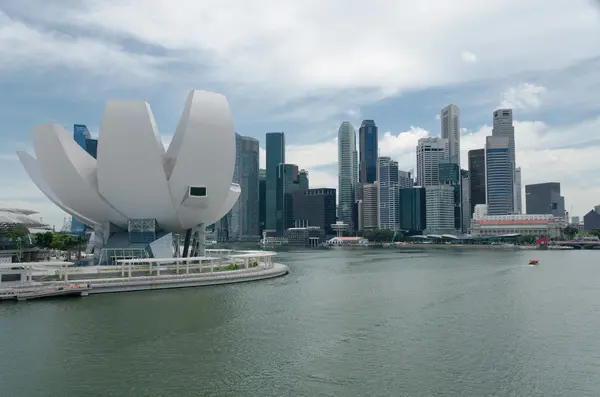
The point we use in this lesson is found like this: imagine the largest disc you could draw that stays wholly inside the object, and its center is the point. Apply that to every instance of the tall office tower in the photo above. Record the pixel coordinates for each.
(518, 199)
(275, 143)
(347, 173)
(247, 172)
(287, 184)
(405, 180)
(370, 205)
(503, 126)
(544, 198)
(449, 174)
(303, 179)
(413, 213)
(499, 175)
(439, 208)
(465, 191)
(450, 120)
(82, 136)
(262, 196)
(430, 153)
(388, 194)
(368, 151)
(315, 208)
(476, 178)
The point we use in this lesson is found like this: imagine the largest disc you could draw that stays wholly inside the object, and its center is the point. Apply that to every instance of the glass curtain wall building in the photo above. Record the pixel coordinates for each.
(368, 151)
(82, 136)
(347, 174)
(499, 172)
(275, 148)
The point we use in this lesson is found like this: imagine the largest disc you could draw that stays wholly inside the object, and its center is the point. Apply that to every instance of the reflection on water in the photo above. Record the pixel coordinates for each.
(343, 323)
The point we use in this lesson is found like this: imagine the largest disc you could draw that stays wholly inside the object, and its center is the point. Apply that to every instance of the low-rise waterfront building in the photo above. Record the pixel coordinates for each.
(539, 225)
(305, 236)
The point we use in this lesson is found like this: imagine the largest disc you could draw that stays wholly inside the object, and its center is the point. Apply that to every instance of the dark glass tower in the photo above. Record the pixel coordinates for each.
(275, 147)
(367, 141)
(477, 177)
(82, 136)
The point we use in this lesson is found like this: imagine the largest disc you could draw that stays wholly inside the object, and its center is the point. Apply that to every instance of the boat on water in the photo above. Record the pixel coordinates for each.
(533, 262)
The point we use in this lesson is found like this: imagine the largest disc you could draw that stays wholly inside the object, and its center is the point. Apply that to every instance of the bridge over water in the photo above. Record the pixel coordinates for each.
(582, 245)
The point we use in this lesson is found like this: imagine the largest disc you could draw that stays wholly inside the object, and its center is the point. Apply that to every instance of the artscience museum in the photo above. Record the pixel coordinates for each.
(138, 198)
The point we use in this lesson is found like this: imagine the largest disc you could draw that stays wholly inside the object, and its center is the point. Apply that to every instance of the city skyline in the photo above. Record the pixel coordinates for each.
(403, 85)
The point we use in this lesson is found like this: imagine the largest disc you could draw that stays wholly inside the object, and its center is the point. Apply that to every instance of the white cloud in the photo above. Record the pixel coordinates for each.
(468, 57)
(524, 96)
(24, 46)
(544, 153)
(291, 49)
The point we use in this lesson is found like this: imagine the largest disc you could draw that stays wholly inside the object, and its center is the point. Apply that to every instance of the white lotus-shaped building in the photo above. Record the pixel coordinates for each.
(133, 177)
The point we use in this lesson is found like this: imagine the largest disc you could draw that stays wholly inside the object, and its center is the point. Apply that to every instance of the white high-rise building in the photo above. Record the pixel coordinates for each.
(370, 205)
(387, 176)
(450, 120)
(405, 180)
(518, 199)
(430, 153)
(439, 203)
(347, 173)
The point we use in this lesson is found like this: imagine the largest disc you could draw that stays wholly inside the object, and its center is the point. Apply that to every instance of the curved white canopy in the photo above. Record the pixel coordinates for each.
(133, 176)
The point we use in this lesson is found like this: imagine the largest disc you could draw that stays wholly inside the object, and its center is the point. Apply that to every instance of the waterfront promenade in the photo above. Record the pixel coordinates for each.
(45, 280)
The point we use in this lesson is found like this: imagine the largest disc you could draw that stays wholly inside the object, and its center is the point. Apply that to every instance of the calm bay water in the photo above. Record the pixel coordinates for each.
(343, 323)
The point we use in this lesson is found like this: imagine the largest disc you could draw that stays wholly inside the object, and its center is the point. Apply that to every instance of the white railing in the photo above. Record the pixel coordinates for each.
(178, 278)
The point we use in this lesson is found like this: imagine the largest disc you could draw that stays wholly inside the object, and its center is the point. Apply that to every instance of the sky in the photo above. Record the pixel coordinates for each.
(303, 67)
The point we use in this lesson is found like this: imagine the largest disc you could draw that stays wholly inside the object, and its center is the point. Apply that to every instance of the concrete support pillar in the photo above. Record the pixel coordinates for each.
(186, 242)
(201, 230)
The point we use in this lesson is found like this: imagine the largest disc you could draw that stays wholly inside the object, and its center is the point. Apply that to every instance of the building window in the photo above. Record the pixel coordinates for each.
(197, 191)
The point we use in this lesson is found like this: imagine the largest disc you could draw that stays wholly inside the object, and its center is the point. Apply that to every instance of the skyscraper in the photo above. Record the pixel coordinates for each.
(430, 153)
(287, 184)
(499, 175)
(347, 173)
(247, 206)
(388, 194)
(368, 151)
(476, 178)
(439, 203)
(82, 136)
(450, 120)
(465, 190)
(262, 196)
(450, 175)
(315, 207)
(370, 205)
(405, 180)
(413, 216)
(503, 126)
(544, 198)
(518, 193)
(275, 147)
(303, 179)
